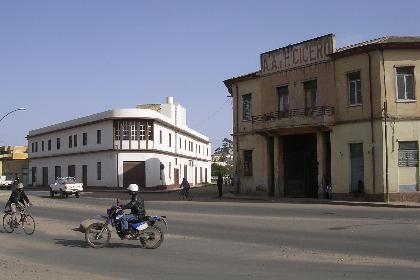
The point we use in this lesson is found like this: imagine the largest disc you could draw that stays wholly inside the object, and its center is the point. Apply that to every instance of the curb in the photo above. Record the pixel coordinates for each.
(327, 202)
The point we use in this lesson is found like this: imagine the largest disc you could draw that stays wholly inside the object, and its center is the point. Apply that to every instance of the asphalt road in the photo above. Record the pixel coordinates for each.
(225, 239)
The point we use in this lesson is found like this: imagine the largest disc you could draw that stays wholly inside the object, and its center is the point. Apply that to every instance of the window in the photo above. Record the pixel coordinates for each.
(98, 171)
(117, 131)
(247, 108)
(125, 128)
(36, 147)
(199, 149)
(33, 147)
(70, 141)
(170, 169)
(207, 151)
(248, 163)
(71, 170)
(49, 144)
(133, 130)
(142, 131)
(84, 138)
(149, 128)
(170, 140)
(42, 146)
(283, 97)
(58, 144)
(185, 144)
(405, 83)
(98, 136)
(160, 136)
(311, 94)
(355, 88)
(57, 172)
(408, 154)
(75, 140)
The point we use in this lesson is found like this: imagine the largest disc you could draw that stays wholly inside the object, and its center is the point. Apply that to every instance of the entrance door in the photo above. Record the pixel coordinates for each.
(176, 177)
(357, 166)
(71, 171)
(300, 166)
(84, 175)
(196, 175)
(134, 172)
(45, 176)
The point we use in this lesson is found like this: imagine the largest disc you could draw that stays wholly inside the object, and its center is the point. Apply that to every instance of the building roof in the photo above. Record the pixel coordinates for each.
(382, 42)
(111, 115)
(228, 83)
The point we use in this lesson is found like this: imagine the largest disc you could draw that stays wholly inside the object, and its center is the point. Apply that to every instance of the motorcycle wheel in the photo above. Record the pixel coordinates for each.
(97, 235)
(151, 237)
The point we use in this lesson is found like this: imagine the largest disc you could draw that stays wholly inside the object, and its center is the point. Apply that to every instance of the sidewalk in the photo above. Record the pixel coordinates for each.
(407, 204)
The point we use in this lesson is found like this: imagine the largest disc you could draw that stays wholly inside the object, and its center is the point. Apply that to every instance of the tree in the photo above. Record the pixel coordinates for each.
(224, 152)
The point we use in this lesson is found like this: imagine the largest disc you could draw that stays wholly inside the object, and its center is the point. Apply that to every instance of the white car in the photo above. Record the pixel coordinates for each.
(66, 186)
(5, 183)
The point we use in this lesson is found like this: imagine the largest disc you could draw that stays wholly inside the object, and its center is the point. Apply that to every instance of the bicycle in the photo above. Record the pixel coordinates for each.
(185, 194)
(26, 220)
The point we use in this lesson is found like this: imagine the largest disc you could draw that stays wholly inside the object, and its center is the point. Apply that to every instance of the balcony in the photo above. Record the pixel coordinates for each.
(318, 116)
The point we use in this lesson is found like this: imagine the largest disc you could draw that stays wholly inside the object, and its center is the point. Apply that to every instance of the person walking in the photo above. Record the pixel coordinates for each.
(220, 185)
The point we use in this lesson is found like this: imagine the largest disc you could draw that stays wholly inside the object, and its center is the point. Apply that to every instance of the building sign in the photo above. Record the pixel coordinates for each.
(308, 52)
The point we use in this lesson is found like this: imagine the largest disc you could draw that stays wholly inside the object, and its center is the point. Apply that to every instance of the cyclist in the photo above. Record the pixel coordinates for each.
(17, 199)
(136, 205)
(185, 187)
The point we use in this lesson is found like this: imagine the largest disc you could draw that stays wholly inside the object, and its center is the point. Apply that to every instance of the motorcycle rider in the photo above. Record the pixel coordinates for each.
(17, 199)
(136, 205)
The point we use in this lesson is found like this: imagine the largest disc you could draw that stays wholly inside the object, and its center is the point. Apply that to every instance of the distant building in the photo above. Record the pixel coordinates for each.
(314, 115)
(150, 145)
(221, 159)
(14, 161)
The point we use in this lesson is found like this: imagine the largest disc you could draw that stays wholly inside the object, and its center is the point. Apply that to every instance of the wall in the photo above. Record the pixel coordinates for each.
(108, 166)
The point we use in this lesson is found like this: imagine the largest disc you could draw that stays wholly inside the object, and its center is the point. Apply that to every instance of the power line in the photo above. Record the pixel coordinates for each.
(209, 117)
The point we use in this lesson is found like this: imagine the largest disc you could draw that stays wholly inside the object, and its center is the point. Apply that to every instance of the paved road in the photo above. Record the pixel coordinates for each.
(218, 239)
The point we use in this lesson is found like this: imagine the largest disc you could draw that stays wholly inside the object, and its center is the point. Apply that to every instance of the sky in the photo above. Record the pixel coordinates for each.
(67, 59)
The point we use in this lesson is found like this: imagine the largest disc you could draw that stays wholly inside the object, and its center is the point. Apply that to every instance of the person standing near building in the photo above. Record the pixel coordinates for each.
(220, 185)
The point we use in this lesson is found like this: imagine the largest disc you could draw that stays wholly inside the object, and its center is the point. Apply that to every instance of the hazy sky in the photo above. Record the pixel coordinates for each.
(67, 59)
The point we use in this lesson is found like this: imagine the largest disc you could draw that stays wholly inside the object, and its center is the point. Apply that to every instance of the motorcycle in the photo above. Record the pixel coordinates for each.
(146, 230)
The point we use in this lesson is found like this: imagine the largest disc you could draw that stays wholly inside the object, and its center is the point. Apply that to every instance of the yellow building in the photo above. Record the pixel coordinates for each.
(14, 160)
(314, 115)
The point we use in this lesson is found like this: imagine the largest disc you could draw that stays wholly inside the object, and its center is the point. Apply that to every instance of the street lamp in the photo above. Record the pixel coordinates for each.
(18, 109)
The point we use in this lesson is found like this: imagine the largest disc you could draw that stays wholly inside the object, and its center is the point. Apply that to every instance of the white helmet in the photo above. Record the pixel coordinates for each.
(133, 188)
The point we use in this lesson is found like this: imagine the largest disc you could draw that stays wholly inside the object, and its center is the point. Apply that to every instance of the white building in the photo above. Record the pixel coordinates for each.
(150, 145)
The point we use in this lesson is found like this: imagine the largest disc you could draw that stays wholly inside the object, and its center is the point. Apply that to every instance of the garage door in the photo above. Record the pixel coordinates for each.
(134, 172)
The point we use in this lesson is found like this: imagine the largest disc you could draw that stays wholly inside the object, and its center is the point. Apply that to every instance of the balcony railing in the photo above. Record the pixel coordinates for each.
(319, 116)
(318, 111)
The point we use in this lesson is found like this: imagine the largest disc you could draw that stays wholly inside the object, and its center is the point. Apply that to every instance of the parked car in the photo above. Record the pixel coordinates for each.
(5, 183)
(66, 186)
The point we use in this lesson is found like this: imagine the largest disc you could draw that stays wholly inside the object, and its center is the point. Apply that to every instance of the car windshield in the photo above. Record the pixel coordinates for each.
(69, 180)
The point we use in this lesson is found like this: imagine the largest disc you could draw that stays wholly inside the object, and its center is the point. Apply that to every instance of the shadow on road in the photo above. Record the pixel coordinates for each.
(83, 244)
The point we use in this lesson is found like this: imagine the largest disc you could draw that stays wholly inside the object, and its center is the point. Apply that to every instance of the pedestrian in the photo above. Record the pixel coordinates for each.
(220, 185)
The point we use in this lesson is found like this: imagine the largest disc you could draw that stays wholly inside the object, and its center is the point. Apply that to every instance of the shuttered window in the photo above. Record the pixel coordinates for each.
(408, 154)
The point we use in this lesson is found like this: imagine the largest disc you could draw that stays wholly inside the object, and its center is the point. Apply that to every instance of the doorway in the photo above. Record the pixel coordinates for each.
(300, 166)
(84, 175)
(134, 172)
(45, 176)
(357, 166)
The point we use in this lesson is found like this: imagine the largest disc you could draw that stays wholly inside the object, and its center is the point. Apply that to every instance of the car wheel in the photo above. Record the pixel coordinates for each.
(61, 193)
(77, 195)
(51, 193)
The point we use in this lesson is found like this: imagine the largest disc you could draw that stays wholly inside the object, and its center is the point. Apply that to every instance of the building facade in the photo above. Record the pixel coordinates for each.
(14, 162)
(314, 115)
(150, 145)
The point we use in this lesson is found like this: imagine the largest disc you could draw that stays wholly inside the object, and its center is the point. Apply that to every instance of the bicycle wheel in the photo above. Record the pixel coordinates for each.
(28, 224)
(8, 225)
